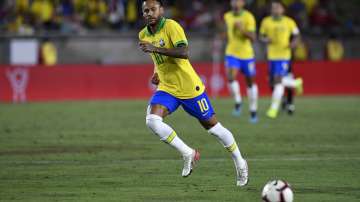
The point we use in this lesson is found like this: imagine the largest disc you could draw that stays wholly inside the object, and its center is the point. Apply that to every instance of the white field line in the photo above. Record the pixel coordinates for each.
(47, 162)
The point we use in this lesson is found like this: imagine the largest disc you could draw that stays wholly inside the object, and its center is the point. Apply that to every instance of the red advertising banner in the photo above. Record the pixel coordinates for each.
(88, 82)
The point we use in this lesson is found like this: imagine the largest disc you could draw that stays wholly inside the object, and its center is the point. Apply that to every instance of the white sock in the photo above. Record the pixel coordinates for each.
(227, 139)
(253, 97)
(288, 81)
(235, 91)
(276, 96)
(167, 134)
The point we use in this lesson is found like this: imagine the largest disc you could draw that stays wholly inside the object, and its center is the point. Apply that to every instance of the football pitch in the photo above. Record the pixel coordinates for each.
(102, 151)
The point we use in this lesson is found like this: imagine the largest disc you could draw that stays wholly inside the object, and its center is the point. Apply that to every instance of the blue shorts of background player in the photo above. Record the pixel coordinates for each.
(279, 67)
(198, 107)
(246, 66)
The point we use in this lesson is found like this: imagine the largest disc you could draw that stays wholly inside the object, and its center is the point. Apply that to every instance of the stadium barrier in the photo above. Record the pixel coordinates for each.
(99, 82)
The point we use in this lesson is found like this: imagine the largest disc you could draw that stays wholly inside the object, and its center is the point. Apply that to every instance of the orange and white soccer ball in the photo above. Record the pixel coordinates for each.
(277, 191)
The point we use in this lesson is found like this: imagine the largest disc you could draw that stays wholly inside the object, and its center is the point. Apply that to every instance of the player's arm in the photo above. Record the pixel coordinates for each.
(247, 31)
(181, 51)
(295, 39)
(263, 38)
(263, 35)
(295, 35)
(248, 34)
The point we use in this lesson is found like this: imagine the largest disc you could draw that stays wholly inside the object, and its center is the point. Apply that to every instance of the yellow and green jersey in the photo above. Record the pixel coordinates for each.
(279, 31)
(238, 45)
(177, 76)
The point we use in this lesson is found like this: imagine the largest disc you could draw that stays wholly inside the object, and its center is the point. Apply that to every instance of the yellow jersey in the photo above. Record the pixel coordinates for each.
(279, 32)
(238, 45)
(177, 76)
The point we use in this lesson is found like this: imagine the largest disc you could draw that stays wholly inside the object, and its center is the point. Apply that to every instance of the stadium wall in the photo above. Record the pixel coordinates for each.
(99, 82)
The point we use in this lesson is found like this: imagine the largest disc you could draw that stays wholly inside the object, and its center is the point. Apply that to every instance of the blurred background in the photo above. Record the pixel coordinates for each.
(99, 33)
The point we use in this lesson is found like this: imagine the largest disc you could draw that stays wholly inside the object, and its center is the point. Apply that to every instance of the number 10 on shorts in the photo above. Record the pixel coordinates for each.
(203, 105)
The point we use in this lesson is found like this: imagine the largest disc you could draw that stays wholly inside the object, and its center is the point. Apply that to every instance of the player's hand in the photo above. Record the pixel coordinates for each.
(147, 47)
(240, 26)
(293, 45)
(266, 40)
(155, 79)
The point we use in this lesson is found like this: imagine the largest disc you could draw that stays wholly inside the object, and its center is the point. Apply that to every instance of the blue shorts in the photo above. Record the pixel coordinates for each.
(279, 67)
(247, 67)
(198, 107)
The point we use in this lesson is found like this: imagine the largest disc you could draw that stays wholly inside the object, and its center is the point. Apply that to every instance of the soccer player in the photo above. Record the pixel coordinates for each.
(239, 56)
(179, 85)
(281, 34)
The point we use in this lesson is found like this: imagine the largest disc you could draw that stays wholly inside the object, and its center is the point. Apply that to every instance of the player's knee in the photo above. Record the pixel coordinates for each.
(216, 130)
(153, 121)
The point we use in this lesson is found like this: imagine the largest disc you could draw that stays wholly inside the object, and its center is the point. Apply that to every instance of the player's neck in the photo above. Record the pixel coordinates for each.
(238, 11)
(277, 17)
(154, 27)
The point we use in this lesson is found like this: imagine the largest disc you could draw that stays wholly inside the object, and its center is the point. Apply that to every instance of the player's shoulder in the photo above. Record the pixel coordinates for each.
(170, 23)
(267, 19)
(289, 19)
(142, 33)
(228, 14)
(248, 14)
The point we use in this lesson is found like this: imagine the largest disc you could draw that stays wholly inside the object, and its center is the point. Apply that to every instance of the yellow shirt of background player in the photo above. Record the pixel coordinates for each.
(177, 76)
(279, 31)
(238, 45)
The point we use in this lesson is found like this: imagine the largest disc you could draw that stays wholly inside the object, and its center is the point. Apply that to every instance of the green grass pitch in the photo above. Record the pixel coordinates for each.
(102, 151)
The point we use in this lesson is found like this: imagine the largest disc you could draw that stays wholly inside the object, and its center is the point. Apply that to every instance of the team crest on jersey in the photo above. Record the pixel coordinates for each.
(162, 43)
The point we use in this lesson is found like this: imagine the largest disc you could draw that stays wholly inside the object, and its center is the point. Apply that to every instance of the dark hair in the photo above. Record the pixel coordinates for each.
(159, 1)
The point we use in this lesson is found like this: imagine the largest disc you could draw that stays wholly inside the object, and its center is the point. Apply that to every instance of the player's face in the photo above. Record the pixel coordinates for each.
(277, 9)
(152, 11)
(237, 4)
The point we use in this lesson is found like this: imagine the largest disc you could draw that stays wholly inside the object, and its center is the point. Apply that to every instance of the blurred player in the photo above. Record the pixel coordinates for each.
(239, 56)
(179, 85)
(281, 34)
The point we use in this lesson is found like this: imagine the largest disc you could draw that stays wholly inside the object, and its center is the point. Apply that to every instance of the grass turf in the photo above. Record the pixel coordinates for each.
(102, 151)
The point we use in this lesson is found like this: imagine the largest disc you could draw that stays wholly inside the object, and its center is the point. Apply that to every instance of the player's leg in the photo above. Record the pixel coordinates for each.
(201, 108)
(276, 73)
(160, 106)
(232, 67)
(288, 80)
(249, 70)
(288, 101)
(226, 138)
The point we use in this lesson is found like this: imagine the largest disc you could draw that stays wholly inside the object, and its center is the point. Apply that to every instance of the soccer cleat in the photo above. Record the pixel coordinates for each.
(253, 118)
(242, 176)
(237, 110)
(189, 163)
(272, 113)
(291, 109)
(299, 86)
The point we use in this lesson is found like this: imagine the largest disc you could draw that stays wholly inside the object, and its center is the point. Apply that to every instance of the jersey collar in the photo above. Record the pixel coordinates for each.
(158, 28)
(239, 13)
(277, 18)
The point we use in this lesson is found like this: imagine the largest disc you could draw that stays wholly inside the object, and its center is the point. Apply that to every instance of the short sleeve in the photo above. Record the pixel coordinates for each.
(263, 27)
(251, 25)
(294, 28)
(176, 34)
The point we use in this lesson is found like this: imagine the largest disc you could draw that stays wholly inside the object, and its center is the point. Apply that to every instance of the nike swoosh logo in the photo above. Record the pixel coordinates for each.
(205, 114)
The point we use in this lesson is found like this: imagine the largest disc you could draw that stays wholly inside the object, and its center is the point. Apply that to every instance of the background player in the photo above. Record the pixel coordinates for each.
(281, 34)
(241, 32)
(178, 84)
